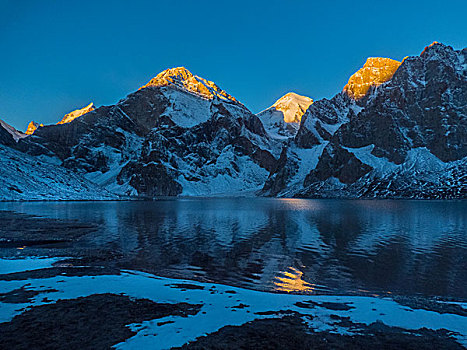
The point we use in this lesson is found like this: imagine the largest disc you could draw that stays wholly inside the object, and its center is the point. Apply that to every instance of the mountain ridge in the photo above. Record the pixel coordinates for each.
(400, 132)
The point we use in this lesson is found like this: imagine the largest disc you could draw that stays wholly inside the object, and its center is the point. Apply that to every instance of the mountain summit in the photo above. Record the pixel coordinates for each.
(283, 118)
(375, 71)
(76, 114)
(32, 126)
(293, 106)
(184, 79)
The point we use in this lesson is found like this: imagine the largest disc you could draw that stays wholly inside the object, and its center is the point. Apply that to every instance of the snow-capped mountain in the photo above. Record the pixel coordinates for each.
(397, 129)
(282, 119)
(178, 134)
(406, 137)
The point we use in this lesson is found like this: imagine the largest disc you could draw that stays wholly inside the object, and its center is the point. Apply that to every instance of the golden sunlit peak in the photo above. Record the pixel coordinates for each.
(375, 71)
(292, 106)
(427, 47)
(76, 113)
(32, 126)
(183, 78)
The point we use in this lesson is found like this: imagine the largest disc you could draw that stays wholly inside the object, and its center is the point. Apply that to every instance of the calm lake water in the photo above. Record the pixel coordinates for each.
(297, 245)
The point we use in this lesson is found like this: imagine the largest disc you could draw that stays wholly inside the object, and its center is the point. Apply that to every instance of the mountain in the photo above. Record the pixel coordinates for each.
(396, 130)
(406, 137)
(178, 134)
(282, 119)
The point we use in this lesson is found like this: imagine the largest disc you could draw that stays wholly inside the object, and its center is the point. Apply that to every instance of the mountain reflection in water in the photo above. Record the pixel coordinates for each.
(292, 245)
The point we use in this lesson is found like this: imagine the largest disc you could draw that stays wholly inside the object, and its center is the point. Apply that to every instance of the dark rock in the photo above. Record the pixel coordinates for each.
(94, 322)
(339, 163)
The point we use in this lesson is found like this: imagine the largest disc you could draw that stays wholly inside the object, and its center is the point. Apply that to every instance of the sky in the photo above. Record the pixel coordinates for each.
(57, 56)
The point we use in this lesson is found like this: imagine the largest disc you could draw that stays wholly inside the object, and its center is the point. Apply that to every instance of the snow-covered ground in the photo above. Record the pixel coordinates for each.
(222, 305)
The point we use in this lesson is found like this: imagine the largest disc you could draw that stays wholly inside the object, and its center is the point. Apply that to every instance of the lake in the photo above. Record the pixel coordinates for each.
(352, 247)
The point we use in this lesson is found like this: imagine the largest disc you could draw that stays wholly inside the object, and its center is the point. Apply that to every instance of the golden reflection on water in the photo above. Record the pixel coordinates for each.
(291, 281)
(301, 204)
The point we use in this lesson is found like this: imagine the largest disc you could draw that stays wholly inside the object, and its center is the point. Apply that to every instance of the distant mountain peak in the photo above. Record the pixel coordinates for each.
(76, 113)
(69, 117)
(293, 106)
(375, 71)
(32, 126)
(183, 78)
(282, 119)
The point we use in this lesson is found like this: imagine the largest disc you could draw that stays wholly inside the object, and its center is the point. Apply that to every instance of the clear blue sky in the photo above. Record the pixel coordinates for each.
(56, 56)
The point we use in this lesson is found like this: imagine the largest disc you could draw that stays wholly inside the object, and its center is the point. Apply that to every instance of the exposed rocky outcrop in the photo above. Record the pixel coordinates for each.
(339, 163)
(5, 137)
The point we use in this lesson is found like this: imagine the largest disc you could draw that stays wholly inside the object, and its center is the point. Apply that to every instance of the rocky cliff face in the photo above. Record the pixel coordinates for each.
(396, 130)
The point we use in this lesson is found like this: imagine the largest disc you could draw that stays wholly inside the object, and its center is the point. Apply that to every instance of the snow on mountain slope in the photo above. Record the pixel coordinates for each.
(24, 177)
(185, 110)
(422, 176)
(293, 106)
(230, 174)
(282, 119)
(323, 118)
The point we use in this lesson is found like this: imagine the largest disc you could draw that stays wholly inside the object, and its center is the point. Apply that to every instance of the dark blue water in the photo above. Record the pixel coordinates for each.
(310, 246)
